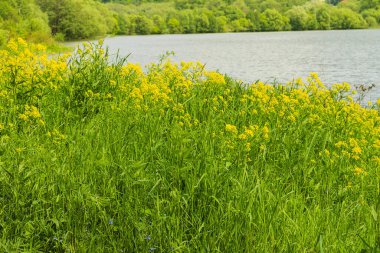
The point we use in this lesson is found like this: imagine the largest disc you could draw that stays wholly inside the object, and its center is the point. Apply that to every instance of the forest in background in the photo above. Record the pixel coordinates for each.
(47, 20)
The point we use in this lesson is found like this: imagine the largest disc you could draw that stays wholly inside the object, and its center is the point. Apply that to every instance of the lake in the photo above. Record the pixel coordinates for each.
(352, 56)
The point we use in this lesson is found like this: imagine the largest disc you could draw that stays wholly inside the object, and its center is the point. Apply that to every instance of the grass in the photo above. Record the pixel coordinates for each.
(103, 157)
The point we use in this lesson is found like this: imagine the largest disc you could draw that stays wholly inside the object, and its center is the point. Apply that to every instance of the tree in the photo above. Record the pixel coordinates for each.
(323, 19)
(298, 18)
(143, 25)
(159, 25)
(202, 23)
(174, 25)
(272, 20)
(368, 4)
(78, 19)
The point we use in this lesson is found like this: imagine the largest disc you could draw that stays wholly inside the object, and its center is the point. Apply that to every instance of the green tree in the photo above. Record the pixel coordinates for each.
(272, 20)
(174, 25)
(372, 13)
(159, 25)
(298, 18)
(202, 23)
(323, 19)
(143, 25)
(368, 4)
(187, 21)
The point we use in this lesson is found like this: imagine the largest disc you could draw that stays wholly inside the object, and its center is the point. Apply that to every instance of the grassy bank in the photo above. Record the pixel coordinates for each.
(101, 157)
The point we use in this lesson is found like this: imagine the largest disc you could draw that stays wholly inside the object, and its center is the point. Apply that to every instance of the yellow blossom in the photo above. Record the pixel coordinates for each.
(359, 171)
(231, 128)
(23, 117)
(242, 136)
(357, 150)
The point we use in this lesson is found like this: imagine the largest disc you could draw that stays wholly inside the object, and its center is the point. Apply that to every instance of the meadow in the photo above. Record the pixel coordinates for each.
(104, 156)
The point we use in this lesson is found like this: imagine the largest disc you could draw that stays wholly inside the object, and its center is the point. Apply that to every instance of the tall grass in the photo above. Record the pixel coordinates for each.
(103, 157)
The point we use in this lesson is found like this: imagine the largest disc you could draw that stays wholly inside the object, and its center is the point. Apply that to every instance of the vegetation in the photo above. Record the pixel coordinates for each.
(185, 16)
(36, 20)
(23, 18)
(103, 157)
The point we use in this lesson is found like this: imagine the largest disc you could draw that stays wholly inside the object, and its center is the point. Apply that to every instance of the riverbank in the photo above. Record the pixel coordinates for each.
(337, 56)
(102, 157)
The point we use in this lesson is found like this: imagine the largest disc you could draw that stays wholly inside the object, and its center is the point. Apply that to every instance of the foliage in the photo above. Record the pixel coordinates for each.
(78, 19)
(23, 18)
(251, 15)
(81, 19)
(104, 157)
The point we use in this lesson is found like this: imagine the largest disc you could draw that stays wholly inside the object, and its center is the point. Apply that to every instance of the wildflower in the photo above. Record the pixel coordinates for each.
(33, 112)
(22, 42)
(242, 136)
(248, 132)
(358, 171)
(265, 132)
(248, 146)
(375, 145)
(356, 150)
(23, 117)
(215, 77)
(254, 112)
(231, 129)
(110, 222)
(340, 144)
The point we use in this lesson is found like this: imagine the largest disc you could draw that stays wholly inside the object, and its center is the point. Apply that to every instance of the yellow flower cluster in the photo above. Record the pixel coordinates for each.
(231, 129)
(26, 75)
(242, 119)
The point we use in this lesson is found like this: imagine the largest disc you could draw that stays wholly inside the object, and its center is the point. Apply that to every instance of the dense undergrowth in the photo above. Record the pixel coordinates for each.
(104, 157)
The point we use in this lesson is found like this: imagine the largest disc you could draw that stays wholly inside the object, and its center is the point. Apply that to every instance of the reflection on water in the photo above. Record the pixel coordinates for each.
(352, 56)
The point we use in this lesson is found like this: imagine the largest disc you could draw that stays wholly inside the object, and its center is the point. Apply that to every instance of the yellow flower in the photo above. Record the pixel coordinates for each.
(231, 128)
(248, 132)
(358, 171)
(340, 144)
(356, 150)
(215, 77)
(33, 112)
(248, 146)
(376, 144)
(242, 136)
(266, 132)
(23, 117)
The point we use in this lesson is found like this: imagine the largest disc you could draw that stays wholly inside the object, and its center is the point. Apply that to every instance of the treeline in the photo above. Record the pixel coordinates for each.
(47, 20)
(200, 16)
(80, 19)
(23, 18)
